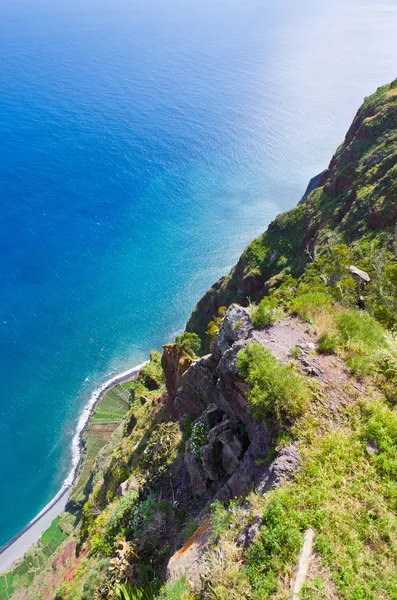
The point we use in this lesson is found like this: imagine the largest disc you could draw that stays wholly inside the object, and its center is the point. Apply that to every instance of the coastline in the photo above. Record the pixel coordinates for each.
(16, 548)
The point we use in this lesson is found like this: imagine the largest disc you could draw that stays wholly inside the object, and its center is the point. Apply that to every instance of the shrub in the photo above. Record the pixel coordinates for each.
(327, 344)
(160, 452)
(220, 518)
(360, 365)
(199, 437)
(276, 390)
(97, 578)
(189, 343)
(360, 331)
(309, 306)
(267, 313)
(214, 326)
(119, 520)
(177, 590)
(295, 352)
(127, 592)
(189, 529)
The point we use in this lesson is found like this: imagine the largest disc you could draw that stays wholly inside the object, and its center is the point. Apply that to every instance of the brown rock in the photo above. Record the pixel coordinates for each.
(187, 560)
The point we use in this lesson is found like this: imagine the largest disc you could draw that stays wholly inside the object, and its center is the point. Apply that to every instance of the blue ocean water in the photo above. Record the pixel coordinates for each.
(144, 143)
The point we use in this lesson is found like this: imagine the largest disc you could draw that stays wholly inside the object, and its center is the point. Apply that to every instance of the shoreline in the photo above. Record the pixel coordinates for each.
(17, 546)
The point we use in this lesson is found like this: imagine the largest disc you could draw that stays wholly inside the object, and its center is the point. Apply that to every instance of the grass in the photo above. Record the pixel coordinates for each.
(266, 313)
(277, 391)
(327, 344)
(345, 494)
(309, 306)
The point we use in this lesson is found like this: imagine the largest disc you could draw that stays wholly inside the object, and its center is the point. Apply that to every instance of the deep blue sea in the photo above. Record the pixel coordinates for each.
(143, 144)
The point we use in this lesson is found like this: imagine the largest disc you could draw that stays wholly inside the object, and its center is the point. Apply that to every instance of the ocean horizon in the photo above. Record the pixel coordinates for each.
(144, 145)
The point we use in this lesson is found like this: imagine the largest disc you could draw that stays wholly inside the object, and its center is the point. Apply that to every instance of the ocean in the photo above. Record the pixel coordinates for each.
(144, 143)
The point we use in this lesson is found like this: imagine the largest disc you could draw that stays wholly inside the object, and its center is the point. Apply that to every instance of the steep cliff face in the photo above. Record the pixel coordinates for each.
(285, 431)
(356, 197)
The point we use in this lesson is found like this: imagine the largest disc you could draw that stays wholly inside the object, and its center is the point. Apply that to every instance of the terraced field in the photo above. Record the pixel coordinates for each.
(105, 419)
(26, 571)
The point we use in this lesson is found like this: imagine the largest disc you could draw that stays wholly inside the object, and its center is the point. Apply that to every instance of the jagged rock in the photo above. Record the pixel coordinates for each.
(311, 366)
(230, 456)
(198, 478)
(211, 455)
(236, 325)
(359, 275)
(197, 389)
(241, 481)
(248, 535)
(213, 416)
(130, 485)
(174, 364)
(282, 469)
(187, 561)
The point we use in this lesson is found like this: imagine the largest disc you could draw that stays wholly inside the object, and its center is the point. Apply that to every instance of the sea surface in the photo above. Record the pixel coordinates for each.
(143, 144)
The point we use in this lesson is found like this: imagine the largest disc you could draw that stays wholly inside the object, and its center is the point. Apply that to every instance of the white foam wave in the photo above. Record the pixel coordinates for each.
(77, 448)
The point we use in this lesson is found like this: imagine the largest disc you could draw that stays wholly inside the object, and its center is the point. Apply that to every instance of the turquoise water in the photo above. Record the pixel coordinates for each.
(143, 145)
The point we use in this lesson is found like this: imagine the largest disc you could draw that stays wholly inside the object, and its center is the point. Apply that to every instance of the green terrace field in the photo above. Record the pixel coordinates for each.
(25, 572)
(107, 416)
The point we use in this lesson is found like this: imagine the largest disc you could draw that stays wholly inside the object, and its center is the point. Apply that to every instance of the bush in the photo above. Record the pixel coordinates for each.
(127, 592)
(119, 520)
(177, 590)
(327, 344)
(97, 578)
(200, 432)
(214, 326)
(359, 331)
(189, 343)
(220, 518)
(267, 313)
(160, 452)
(309, 306)
(276, 390)
(360, 365)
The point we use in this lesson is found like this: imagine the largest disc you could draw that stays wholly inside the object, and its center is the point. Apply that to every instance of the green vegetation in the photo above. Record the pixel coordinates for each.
(267, 312)
(176, 591)
(309, 305)
(127, 592)
(346, 433)
(31, 566)
(160, 452)
(107, 416)
(276, 390)
(199, 436)
(189, 343)
(327, 344)
(214, 326)
(149, 381)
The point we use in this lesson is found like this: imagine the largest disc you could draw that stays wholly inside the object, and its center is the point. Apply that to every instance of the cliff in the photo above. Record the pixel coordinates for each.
(354, 201)
(266, 467)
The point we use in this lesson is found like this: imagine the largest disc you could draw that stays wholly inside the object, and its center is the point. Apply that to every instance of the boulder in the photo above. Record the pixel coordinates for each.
(360, 276)
(281, 470)
(248, 535)
(130, 485)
